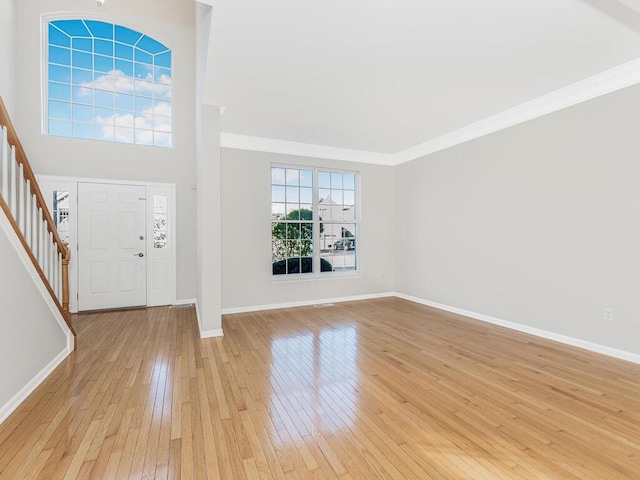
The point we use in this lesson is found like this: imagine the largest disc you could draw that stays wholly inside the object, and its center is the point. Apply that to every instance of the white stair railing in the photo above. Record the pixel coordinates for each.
(23, 203)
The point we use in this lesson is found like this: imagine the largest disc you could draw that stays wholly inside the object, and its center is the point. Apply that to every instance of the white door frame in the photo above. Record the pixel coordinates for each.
(50, 183)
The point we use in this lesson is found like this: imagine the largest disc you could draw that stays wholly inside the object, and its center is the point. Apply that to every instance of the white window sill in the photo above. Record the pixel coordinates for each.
(314, 277)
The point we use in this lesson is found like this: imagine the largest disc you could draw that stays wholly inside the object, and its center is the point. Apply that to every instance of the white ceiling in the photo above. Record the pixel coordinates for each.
(386, 75)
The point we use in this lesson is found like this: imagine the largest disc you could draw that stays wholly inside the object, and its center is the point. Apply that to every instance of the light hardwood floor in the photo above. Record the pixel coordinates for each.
(381, 389)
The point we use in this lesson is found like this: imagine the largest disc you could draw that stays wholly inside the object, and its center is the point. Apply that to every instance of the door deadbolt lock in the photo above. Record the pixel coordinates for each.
(141, 237)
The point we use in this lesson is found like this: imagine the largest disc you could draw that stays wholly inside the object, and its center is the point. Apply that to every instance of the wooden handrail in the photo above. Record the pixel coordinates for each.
(62, 248)
(21, 158)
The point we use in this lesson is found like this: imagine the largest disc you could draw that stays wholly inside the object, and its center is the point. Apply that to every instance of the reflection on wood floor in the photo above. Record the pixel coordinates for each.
(380, 389)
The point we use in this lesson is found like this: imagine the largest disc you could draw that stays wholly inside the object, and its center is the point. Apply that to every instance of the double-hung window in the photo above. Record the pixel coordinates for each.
(314, 220)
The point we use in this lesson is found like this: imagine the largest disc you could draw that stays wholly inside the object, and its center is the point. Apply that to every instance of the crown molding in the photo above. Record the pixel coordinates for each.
(259, 144)
(609, 81)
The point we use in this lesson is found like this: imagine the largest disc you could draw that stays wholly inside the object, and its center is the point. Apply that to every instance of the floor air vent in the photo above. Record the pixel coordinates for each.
(323, 305)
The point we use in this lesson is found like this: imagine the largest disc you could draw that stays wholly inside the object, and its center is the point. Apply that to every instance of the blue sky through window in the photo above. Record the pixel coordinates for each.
(108, 82)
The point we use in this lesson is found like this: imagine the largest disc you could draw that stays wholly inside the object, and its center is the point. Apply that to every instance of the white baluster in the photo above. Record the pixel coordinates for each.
(45, 250)
(60, 285)
(54, 277)
(21, 200)
(47, 246)
(54, 262)
(5, 165)
(34, 225)
(13, 166)
(28, 214)
(59, 276)
(40, 239)
(52, 256)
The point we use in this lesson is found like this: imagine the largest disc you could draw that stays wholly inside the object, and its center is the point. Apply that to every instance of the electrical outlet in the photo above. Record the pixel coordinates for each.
(608, 315)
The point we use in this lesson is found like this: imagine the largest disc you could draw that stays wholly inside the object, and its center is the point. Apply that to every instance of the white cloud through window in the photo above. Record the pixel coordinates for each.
(129, 103)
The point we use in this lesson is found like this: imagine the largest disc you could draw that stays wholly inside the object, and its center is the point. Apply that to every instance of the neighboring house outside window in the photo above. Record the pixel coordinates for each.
(107, 82)
(314, 220)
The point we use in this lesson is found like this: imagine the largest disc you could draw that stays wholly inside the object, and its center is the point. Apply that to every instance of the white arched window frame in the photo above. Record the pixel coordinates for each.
(108, 82)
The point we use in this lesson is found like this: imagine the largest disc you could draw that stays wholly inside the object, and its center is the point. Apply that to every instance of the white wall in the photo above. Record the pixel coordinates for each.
(538, 224)
(246, 233)
(7, 54)
(173, 23)
(30, 337)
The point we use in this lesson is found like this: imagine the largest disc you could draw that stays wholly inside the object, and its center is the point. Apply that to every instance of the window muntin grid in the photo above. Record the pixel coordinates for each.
(292, 228)
(160, 215)
(313, 211)
(338, 219)
(61, 213)
(108, 82)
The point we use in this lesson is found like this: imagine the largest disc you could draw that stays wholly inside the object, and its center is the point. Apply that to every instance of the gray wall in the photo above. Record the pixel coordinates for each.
(538, 224)
(30, 337)
(7, 85)
(172, 22)
(246, 233)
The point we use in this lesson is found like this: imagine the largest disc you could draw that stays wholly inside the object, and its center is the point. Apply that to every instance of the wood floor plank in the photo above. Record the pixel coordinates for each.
(381, 389)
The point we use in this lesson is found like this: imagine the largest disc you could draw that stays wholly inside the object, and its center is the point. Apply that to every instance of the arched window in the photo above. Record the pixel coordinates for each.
(107, 82)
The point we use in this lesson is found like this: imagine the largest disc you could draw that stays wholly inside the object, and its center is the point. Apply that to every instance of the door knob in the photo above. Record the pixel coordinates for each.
(138, 254)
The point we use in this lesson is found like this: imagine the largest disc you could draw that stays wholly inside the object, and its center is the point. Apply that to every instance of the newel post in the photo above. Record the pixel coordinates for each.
(65, 286)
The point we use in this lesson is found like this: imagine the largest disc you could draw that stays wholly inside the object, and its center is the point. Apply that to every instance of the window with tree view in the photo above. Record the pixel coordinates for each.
(313, 220)
(107, 82)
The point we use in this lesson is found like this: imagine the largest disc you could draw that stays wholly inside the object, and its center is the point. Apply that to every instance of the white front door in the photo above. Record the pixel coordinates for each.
(112, 246)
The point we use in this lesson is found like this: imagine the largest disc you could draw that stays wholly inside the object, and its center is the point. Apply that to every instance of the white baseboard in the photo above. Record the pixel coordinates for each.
(211, 333)
(304, 303)
(204, 333)
(9, 407)
(575, 342)
(186, 301)
(198, 317)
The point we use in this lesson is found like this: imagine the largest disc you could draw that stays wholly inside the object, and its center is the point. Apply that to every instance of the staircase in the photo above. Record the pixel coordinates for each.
(25, 208)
